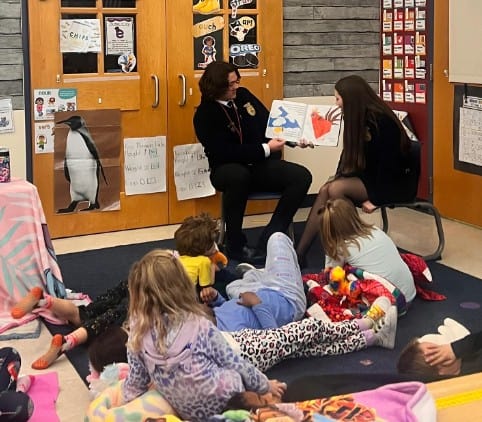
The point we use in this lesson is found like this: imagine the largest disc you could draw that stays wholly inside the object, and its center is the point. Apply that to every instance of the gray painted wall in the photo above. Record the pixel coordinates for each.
(11, 53)
(323, 41)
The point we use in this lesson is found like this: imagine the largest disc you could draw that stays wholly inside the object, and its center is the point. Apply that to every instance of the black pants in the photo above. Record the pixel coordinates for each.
(236, 181)
(14, 406)
(109, 308)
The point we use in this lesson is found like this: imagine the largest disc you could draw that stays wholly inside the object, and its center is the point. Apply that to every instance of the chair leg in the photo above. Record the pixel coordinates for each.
(437, 254)
(383, 210)
(222, 225)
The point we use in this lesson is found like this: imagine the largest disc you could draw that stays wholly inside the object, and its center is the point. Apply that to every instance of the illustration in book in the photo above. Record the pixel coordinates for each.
(293, 121)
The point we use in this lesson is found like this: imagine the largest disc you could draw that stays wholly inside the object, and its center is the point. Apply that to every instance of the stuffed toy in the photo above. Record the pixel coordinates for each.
(219, 259)
(343, 285)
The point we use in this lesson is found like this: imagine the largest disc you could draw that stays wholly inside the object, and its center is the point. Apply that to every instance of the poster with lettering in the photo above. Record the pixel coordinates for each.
(80, 36)
(145, 165)
(191, 172)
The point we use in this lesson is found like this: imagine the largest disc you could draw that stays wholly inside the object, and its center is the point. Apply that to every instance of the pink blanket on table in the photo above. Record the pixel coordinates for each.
(27, 257)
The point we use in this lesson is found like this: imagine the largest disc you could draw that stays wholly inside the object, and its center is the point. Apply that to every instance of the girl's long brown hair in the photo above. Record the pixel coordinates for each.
(340, 226)
(160, 295)
(361, 105)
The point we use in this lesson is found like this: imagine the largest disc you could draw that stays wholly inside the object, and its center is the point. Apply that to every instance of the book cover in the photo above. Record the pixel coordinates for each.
(293, 121)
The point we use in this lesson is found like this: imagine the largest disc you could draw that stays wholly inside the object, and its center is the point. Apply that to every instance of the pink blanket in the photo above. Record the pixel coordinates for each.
(27, 258)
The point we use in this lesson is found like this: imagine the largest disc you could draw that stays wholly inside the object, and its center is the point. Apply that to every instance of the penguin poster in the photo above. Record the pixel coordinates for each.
(87, 161)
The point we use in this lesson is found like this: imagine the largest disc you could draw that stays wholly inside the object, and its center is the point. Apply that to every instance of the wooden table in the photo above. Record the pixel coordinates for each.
(458, 399)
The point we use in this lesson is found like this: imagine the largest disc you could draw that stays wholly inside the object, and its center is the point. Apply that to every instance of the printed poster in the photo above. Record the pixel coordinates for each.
(44, 137)
(470, 136)
(87, 161)
(80, 36)
(145, 165)
(119, 35)
(51, 100)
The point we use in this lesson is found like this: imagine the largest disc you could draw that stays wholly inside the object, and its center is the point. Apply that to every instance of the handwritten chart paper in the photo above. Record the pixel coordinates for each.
(145, 165)
(470, 136)
(191, 172)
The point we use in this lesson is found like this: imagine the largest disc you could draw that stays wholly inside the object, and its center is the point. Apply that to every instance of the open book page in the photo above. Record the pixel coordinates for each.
(293, 121)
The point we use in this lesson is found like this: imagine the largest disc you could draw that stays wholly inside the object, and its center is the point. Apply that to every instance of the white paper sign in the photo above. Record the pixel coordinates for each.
(191, 172)
(470, 136)
(80, 36)
(6, 115)
(44, 137)
(145, 165)
(119, 35)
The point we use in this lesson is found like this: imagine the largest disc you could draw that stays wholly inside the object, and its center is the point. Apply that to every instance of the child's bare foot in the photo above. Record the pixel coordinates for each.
(27, 303)
(44, 361)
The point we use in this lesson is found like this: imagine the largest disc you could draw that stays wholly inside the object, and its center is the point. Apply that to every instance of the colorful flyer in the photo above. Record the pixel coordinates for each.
(387, 4)
(80, 36)
(387, 91)
(398, 92)
(420, 44)
(119, 35)
(420, 93)
(387, 21)
(397, 3)
(44, 137)
(387, 69)
(420, 67)
(398, 44)
(409, 44)
(398, 67)
(409, 92)
(409, 67)
(398, 19)
(387, 44)
(409, 20)
(420, 19)
(49, 101)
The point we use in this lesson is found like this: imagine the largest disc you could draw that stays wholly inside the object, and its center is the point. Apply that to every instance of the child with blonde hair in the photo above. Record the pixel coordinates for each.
(347, 239)
(175, 346)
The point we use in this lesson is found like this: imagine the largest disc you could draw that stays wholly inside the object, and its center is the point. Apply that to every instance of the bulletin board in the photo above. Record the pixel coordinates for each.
(467, 134)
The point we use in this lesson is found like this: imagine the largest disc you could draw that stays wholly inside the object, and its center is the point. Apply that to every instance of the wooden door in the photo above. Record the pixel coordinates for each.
(260, 23)
(140, 95)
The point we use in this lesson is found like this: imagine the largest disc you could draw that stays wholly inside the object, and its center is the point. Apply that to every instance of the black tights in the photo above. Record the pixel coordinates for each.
(14, 406)
(351, 188)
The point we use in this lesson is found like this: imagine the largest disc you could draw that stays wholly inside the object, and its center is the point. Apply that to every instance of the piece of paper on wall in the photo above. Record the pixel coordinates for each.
(44, 137)
(87, 150)
(470, 136)
(80, 36)
(6, 115)
(48, 101)
(191, 172)
(145, 165)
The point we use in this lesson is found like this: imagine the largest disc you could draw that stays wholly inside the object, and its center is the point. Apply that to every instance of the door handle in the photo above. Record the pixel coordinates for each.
(183, 92)
(155, 78)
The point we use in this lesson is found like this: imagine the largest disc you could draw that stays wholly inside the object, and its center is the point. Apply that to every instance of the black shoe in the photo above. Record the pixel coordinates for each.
(247, 254)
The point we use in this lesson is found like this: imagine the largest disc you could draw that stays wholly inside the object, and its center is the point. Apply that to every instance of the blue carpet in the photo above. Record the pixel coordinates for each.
(93, 272)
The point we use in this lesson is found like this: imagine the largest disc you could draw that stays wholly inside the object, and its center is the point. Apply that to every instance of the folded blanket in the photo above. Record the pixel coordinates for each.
(151, 405)
(407, 401)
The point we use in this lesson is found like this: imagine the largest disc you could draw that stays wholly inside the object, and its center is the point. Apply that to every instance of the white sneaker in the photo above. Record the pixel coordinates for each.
(378, 309)
(386, 329)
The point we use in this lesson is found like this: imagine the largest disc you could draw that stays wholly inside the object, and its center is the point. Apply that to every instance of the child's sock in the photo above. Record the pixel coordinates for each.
(24, 383)
(70, 341)
(369, 337)
(44, 361)
(27, 303)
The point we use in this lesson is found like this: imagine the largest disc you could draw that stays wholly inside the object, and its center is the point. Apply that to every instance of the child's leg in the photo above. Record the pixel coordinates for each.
(27, 303)
(36, 298)
(337, 347)
(60, 345)
(266, 348)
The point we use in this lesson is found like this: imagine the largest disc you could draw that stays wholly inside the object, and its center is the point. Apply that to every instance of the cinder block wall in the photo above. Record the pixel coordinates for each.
(325, 40)
(11, 52)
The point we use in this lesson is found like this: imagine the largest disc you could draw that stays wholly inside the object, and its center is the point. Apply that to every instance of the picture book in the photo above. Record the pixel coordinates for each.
(293, 121)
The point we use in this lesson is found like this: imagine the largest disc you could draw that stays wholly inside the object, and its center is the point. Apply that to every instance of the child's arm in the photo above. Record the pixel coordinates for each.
(138, 379)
